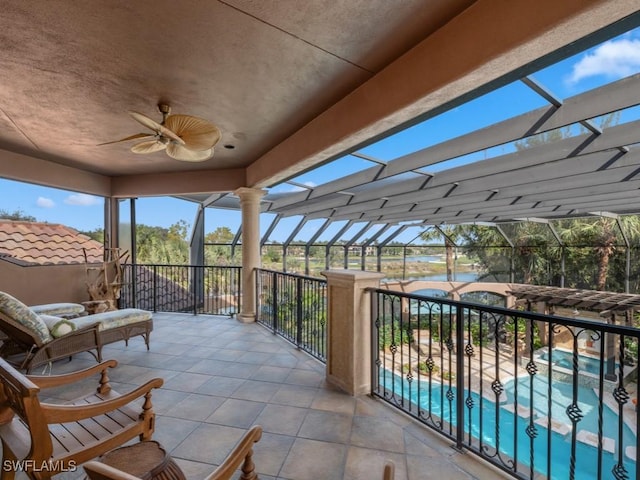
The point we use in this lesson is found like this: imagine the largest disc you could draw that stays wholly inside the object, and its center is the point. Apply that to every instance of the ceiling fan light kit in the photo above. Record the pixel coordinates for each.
(183, 137)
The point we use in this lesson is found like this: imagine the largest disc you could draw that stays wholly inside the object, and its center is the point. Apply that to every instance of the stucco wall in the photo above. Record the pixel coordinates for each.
(44, 284)
(455, 289)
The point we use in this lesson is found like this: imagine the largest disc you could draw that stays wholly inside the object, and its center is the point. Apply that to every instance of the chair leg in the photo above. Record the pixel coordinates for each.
(148, 417)
(249, 468)
(9, 464)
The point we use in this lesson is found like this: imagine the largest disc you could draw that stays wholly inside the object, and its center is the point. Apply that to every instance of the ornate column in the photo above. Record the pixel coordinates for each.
(250, 203)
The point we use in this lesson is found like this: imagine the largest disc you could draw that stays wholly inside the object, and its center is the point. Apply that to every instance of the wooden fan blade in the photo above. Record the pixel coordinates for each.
(132, 137)
(197, 133)
(146, 121)
(183, 154)
(155, 126)
(148, 147)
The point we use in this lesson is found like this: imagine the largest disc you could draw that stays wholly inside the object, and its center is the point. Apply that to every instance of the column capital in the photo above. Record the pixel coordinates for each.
(353, 276)
(249, 194)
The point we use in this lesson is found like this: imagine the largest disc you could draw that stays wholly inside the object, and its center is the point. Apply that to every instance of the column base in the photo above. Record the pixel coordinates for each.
(246, 317)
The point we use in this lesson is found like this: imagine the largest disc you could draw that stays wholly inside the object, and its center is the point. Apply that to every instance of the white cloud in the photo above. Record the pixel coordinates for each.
(82, 199)
(44, 202)
(614, 59)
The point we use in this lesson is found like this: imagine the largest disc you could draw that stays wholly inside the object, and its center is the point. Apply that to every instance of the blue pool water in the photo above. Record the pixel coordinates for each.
(564, 359)
(485, 414)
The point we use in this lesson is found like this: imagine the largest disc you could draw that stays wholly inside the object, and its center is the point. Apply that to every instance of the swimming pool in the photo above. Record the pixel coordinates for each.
(499, 426)
(564, 359)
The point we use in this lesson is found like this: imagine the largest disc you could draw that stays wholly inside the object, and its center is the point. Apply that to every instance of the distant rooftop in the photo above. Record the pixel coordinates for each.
(38, 243)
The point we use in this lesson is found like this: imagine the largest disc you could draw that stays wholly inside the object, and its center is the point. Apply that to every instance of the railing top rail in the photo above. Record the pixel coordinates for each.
(293, 275)
(235, 267)
(572, 322)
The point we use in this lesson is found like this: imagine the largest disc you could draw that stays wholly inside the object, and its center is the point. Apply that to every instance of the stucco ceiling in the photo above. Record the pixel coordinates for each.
(259, 70)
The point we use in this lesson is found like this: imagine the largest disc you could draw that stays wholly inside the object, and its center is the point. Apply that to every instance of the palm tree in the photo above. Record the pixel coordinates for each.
(449, 233)
(527, 248)
(605, 236)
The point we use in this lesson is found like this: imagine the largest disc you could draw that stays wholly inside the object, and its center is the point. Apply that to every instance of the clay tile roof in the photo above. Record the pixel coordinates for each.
(37, 243)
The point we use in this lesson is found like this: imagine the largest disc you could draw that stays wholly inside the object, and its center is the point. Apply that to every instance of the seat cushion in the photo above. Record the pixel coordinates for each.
(20, 313)
(113, 319)
(59, 309)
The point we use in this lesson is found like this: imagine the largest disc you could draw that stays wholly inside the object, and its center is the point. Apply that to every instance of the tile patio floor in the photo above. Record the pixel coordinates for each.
(221, 377)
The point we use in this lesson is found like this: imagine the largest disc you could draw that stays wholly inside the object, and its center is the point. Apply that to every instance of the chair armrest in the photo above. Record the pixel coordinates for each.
(49, 381)
(99, 471)
(240, 455)
(70, 413)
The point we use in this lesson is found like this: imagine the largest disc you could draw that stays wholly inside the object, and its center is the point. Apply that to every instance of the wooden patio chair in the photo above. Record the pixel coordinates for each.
(240, 457)
(45, 439)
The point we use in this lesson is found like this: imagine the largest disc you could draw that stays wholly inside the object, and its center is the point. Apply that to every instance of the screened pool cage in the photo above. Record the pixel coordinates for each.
(594, 253)
(546, 195)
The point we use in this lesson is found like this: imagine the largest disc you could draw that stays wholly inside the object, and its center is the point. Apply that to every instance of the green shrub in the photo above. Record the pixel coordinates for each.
(447, 375)
(392, 334)
(424, 368)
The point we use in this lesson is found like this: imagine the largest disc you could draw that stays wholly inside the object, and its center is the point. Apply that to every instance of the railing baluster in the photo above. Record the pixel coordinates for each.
(155, 288)
(274, 302)
(301, 297)
(375, 342)
(459, 377)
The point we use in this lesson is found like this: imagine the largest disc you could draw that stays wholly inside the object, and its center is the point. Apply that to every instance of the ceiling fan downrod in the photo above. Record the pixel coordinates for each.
(165, 110)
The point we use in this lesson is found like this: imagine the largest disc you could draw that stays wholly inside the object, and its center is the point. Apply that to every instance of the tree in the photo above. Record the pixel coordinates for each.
(449, 233)
(158, 245)
(542, 138)
(96, 234)
(219, 235)
(530, 250)
(604, 237)
(588, 246)
(17, 215)
(218, 250)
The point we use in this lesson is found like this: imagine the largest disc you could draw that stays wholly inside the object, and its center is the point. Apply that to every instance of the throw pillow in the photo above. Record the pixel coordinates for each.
(58, 326)
(20, 313)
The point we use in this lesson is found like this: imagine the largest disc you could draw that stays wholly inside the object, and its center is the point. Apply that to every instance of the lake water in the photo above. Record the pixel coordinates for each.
(458, 277)
(416, 258)
(442, 277)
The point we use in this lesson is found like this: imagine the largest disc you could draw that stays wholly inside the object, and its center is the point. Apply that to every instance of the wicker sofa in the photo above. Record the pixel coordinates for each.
(36, 339)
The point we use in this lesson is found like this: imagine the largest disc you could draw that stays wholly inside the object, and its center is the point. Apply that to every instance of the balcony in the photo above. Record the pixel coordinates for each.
(222, 376)
(312, 123)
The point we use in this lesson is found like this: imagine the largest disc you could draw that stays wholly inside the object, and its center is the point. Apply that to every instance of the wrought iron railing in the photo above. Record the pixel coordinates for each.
(295, 307)
(182, 288)
(537, 396)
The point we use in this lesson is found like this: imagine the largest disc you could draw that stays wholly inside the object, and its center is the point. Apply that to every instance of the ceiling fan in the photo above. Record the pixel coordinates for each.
(183, 137)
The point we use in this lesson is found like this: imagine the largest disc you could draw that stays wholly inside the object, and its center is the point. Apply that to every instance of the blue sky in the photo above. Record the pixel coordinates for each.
(612, 60)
